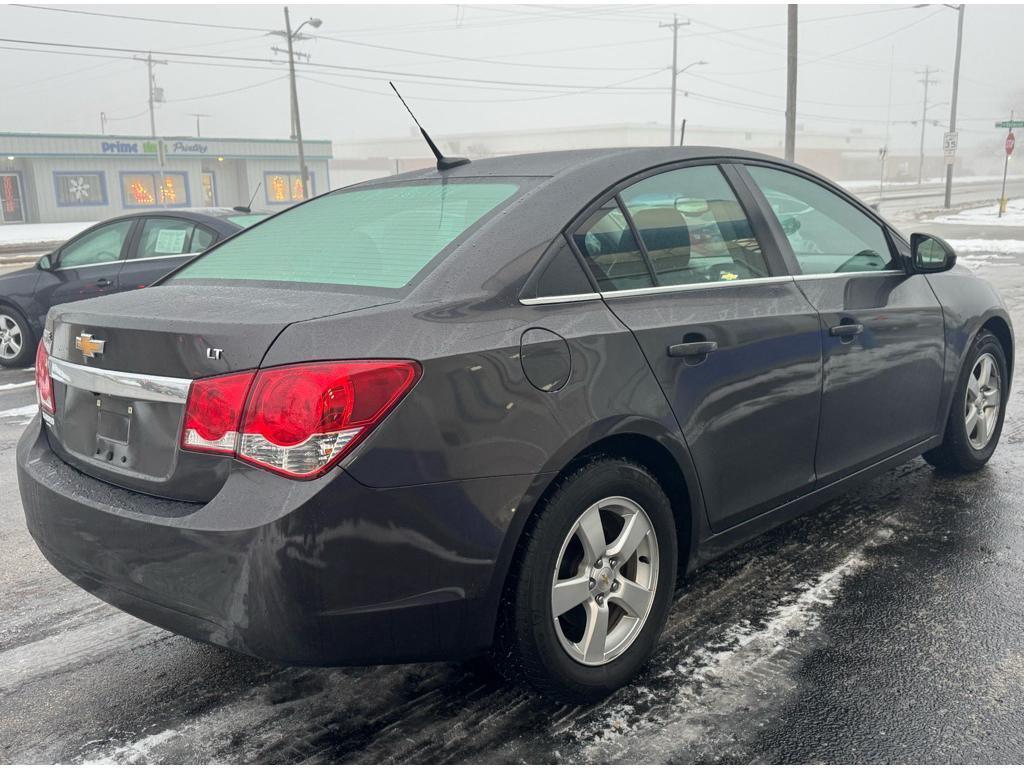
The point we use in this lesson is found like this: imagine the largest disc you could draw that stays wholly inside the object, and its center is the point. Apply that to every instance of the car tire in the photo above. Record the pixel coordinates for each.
(976, 414)
(17, 342)
(560, 655)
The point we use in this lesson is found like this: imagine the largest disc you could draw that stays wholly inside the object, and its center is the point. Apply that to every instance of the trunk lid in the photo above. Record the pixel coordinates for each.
(121, 366)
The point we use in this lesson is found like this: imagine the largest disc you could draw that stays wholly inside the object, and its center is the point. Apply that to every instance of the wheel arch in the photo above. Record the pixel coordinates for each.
(1000, 328)
(647, 443)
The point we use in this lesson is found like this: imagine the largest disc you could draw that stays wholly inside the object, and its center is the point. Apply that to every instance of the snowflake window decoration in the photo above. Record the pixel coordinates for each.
(79, 189)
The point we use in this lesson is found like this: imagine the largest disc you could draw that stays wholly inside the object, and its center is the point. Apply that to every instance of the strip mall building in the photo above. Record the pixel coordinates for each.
(65, 177)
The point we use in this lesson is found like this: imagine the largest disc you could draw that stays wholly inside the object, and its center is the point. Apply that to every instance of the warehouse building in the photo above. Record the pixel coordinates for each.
(65, 177)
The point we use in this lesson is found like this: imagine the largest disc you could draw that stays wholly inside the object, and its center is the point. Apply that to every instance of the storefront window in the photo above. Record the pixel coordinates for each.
(145, 190)
(74, 189)
(285, 188)
(209, 190)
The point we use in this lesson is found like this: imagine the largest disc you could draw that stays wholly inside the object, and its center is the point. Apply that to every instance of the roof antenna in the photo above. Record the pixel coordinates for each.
(443, 163)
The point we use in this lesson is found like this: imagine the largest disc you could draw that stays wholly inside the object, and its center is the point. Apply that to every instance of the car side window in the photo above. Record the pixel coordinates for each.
(693, 227)
(202, 238)
(164, 237)
(100, 246)
(611, 251)
(827, 234)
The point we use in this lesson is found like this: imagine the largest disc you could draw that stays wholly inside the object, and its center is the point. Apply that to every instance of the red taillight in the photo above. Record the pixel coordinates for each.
(214, 411)
(44, 384)
(299, 420)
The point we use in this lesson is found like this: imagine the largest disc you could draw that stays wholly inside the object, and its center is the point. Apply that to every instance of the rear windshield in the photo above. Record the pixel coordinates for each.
(378, 237)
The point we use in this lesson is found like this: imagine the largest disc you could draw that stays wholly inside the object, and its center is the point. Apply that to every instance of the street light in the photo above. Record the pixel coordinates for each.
(675, 74)
(291, 37)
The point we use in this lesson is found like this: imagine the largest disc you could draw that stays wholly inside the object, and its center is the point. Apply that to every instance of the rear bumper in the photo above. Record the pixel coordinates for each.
(323, 572)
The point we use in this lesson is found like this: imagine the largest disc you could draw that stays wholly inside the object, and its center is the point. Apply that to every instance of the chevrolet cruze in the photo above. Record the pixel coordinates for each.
(499, 407)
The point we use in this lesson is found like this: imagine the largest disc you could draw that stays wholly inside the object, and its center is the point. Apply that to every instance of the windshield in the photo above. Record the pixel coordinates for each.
(373, 236)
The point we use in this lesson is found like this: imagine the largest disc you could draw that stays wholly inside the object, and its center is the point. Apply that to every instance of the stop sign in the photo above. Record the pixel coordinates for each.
(1010, 141)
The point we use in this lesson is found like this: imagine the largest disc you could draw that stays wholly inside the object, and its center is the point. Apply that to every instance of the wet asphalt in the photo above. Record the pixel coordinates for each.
(885, 626)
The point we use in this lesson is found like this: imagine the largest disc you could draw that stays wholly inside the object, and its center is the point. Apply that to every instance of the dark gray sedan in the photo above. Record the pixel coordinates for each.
(498, 408)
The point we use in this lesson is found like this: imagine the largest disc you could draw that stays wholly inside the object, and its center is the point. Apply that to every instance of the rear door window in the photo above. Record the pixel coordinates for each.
(379, 237)
(606, 241)
(693, 227)
(164, 237)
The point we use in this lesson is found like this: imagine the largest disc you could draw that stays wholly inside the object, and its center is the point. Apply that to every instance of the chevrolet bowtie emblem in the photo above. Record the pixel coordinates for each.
(89, 346)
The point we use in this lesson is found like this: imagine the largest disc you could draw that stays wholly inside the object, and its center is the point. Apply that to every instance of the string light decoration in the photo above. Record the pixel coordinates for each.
(9, 204)
(168, 192)
(140, 194)
(279, 188)
(297, 193)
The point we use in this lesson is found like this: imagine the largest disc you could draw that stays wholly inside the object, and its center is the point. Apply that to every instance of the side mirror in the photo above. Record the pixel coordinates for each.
(930, 253)
(45, 262)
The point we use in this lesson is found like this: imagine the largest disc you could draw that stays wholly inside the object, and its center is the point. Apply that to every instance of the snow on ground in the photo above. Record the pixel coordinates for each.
(981, 252)
(987, 215)
(12, 235)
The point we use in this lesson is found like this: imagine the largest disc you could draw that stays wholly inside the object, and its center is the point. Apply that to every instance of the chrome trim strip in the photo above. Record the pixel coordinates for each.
(564, 299)
(828, 275)
(167, 256)
(695, 286)
(137, 386)
(127, 261)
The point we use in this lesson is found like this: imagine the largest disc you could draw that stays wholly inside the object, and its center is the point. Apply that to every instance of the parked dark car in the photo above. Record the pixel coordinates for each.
(119, 254)
(498, 408)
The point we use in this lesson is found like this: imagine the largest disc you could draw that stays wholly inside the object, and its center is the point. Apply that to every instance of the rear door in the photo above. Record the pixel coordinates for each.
(162, 243)
(729, 336)
(87, 265)
(881, 328)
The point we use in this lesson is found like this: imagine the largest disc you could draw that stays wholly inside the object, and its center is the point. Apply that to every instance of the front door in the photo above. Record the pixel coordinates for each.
(87, 265)
(882, 331)
(733, 343)
(12, 201)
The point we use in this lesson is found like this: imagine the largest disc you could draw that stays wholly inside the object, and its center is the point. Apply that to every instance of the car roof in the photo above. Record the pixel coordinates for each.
(218, 218)
(622, 161)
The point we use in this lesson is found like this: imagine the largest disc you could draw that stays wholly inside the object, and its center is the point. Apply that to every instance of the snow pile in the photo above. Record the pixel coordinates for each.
(14, 235)
(987, 215)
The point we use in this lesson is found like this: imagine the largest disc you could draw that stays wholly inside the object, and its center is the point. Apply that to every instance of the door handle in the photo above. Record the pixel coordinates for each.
(692, 348)
(104, 282)
(846, 329)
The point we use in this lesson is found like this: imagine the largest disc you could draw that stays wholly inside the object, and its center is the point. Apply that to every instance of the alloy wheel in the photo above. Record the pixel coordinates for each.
(11, 337)
(604, 581)
(982, 401)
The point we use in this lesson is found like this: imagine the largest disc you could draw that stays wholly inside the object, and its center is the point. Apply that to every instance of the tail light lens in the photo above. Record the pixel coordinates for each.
(44, 384)
(214, 411)
(297, 420)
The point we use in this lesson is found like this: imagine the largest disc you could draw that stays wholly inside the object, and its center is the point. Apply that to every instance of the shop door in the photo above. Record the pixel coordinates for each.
(12, 207)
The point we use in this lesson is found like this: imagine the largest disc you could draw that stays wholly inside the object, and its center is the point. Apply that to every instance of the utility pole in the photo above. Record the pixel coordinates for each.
(928, 71)
(884, 152)
(291, 37)
(791, 67)
(155, 95)
(952, 109)
(675, 25)
(198, 115)
(103, 123)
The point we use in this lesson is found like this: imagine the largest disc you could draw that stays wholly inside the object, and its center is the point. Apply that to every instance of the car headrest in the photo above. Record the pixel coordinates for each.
(665, 233)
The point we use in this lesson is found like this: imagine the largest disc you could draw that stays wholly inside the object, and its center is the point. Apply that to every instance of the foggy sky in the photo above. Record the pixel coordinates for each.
(554, 52)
